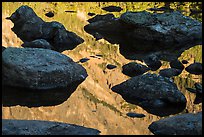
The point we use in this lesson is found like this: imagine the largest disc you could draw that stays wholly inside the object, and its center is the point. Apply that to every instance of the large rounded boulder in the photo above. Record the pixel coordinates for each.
(37, 68)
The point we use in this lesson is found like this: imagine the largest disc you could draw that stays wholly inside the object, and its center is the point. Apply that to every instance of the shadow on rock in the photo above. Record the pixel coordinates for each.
(38, 127)
(12, 96)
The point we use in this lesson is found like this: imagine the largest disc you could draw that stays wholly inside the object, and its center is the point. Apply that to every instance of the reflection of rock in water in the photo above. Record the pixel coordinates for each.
(38, 127)
(13, 96)
(156, 94)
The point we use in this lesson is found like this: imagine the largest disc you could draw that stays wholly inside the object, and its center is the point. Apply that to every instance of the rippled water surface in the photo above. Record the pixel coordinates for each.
(93, 104)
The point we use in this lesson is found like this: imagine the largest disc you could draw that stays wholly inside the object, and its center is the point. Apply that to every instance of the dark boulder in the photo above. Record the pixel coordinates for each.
(134, 69)
(112, 8)
(184, 61)
(110, 66)
(49, 14)
(91, 14)
(29, 27)
(182, 124)
(195, 68)
(176, 64)
(147, 89)
(168, 34)
(38, 127)
(153, 62)
(198, 91)
(38, 43)
(37, 68)
(135, 115)
(170, 72)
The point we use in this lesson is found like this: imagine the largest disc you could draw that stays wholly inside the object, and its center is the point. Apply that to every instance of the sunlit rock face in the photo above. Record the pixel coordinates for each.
(38, 127)
(39, 69)
(28, 27)
(183, 124)
(147, 32)
(152, 92)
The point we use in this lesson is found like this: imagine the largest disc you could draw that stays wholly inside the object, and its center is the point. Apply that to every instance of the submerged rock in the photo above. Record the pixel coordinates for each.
(134, 69)
(182, 124)
(195, 68)
(29, 27)
(170, 72)
(110, 66)
(112, 8)
(133, 115)
(49, 14)
(147, 89)
(144, 32)
(38, 127)
(37, 68)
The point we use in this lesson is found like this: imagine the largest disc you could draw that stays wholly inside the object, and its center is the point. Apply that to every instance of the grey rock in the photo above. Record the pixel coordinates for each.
(28, 27)
(194, 68)
(170, 72)
(149, 32)
(38, 43)
(104, 17)
(134, 69)
(145, 90)
(37, 68)
(182, 124)
(38, 127)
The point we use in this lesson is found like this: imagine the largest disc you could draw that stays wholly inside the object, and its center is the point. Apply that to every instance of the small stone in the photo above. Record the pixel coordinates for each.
(109, 66)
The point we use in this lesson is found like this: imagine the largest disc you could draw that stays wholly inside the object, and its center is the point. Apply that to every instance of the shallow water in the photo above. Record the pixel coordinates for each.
(93, 104)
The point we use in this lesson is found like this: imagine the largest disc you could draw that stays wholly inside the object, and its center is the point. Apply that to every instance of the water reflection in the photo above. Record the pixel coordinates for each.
(93, 104)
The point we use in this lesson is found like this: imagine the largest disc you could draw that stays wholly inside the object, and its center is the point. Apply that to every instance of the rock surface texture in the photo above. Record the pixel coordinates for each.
(36, 68)
(183, 124)
(37, 127)
(147, 32)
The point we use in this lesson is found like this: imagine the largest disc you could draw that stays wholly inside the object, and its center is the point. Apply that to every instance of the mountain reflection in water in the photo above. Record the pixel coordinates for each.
(93, 104)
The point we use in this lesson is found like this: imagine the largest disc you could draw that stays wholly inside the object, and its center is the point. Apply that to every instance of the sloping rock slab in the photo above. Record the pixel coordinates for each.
(29, 27)
(37, 127)
(153, 92)
(37, 68)
(183, 124)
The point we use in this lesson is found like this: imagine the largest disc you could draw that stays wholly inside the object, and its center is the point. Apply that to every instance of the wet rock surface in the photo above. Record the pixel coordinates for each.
(28, 27)
(37, 68)
(145, 32)
(37, 127)
(147, 89)
(194, 68)
(134, 69)
(182, 124)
